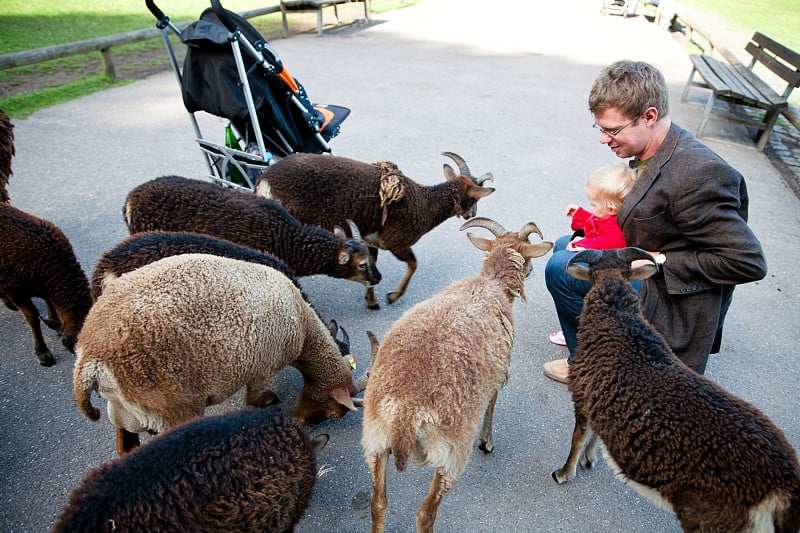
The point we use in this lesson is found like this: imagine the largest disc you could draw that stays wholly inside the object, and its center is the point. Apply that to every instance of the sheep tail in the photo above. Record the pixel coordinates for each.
(391, 190)
(403, 438)
(84, 383)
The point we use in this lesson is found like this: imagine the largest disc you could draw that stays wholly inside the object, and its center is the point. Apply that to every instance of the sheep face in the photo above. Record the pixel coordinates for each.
(355, 258)
(313, 408)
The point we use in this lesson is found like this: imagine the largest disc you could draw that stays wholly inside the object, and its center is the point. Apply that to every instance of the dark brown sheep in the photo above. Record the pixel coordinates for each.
(173, 203)
(674, 435)
(248, 470)
(392, 211)
(37, 261)
(6, 153)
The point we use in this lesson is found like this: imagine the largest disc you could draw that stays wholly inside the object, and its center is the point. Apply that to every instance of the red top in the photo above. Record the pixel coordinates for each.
(599, 233)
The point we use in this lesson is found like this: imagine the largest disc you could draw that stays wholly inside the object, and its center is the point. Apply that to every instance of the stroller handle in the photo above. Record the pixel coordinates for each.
(157, 13)
(223, 15)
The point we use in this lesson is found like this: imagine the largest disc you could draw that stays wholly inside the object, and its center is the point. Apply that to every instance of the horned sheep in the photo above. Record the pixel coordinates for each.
(248, 470)
(676, 436)
(144, 248)
(392, 211)
(170, 338)
(174, 203)
(38, 261)
(440, 368)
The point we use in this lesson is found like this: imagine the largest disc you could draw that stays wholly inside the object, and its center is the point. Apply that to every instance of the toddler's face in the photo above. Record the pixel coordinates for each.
(599, 208)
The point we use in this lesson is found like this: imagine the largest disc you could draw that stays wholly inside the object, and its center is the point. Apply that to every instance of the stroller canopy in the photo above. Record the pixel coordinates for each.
(211, 83)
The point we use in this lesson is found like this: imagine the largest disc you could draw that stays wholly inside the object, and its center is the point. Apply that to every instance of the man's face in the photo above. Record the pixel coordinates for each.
(625, 135)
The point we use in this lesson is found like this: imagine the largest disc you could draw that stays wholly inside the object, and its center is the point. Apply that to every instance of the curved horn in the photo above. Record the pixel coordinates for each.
(529, 228)
(487, 223)
(462, 165)
(590, 257)
(354, 230)
(632, 253)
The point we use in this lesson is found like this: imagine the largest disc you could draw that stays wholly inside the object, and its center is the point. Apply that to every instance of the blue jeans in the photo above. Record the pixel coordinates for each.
(567, 292)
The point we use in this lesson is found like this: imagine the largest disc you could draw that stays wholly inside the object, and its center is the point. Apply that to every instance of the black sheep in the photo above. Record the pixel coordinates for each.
(6, 153)
(247, 470)
(37, 261)
(674, 435)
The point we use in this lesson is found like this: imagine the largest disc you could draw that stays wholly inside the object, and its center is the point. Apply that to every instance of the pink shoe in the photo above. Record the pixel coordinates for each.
(558, 338)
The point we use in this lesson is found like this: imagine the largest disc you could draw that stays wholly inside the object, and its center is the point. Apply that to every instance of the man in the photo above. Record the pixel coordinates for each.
(688, 208)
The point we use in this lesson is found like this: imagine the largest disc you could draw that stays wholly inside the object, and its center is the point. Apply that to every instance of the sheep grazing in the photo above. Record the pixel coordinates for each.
(249, 470)
(677, 437)
(144, 248)
(37, 261)
(392, 211)
(173, 203)
(170, 338)
(440, 368)
(6, 153)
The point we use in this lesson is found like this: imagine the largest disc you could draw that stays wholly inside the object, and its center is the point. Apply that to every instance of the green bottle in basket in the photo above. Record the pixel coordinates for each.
(232, 142)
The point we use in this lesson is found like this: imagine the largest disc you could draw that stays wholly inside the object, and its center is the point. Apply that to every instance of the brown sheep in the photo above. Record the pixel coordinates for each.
(392, 211)
(439, 370)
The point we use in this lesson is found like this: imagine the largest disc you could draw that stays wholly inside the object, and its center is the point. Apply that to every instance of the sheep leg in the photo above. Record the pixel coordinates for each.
(579, 435)
(372, 301)
(485, 441)
(377, 466)
(260, 396)
(589, 456)
(31, 315)
(126, 441)
(426, 516)
(8, 303)
(410, 260)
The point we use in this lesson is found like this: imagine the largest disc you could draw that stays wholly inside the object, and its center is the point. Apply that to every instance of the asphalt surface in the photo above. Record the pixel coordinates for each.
(503, 84)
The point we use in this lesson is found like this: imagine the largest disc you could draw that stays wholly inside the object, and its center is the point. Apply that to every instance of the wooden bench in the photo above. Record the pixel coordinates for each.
(315, 5)
(738, 85)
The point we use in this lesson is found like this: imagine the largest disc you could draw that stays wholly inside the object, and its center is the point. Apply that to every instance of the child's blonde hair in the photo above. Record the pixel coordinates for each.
(611, 183)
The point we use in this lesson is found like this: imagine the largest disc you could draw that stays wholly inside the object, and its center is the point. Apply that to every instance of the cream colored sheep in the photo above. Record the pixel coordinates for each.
(170, 338)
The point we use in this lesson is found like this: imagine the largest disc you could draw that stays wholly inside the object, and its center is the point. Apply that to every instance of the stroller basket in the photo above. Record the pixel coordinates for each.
(232, 72)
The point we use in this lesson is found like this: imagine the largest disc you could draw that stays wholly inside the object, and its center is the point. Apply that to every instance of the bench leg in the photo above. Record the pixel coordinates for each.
(366, 9)
(763, 136)
(706, 114)
(319, 21)
(685, 94)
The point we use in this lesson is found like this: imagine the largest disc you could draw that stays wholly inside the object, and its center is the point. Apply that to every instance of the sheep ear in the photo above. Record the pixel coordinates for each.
(344, 258)
(479, 192)
(449, 173)
(479, 242)
(319, 442)
(530, 251)
(339, 232)
(577, 270)
(342, 397)
(643, 272)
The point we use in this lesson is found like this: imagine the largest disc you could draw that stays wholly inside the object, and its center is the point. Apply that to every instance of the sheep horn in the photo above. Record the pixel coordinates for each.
(529, 228)
(632, 253)
(354, 229)
(462, 165)
(487, 223)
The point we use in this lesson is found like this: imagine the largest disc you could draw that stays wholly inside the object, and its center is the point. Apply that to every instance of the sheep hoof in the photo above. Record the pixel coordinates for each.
(46, 359)
(559, 477)
(374, 306)
(392, 297)
(587, 463)
(486, 447)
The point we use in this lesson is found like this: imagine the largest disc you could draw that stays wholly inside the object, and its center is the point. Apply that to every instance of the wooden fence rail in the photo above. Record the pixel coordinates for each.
(102, 45)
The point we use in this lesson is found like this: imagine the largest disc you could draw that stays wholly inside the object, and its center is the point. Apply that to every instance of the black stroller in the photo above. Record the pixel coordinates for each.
(270, 115)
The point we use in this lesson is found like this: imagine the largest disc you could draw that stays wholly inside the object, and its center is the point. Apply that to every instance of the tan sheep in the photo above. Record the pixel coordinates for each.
(170, 338)
(440, 368)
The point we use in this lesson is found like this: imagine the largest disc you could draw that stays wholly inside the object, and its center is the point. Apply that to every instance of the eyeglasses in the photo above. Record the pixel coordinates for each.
(614, 133)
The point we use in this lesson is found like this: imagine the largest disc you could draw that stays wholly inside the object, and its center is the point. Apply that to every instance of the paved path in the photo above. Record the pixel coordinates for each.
(505, 85)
